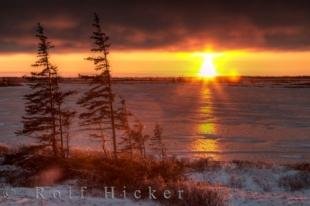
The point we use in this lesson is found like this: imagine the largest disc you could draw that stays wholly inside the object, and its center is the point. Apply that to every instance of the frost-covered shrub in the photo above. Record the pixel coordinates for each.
(301, 167)
(236, 181)
(263, 183)
(298, 181)
(195, 195)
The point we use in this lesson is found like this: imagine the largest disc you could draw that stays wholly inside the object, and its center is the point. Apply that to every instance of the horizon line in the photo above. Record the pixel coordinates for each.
(197, 77)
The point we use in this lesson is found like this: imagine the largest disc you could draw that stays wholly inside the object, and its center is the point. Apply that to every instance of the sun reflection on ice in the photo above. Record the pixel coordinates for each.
(206, 145)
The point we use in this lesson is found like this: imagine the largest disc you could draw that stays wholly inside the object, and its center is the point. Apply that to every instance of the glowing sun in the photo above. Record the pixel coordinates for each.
(208, 69)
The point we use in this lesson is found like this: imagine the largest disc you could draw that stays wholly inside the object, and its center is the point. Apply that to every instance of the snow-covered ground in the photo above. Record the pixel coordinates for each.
(236, 197)
(240, 185)
(29, 197)
(65, 194)
(253, 186)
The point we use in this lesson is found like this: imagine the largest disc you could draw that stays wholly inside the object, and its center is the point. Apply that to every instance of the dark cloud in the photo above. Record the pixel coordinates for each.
(174, 25)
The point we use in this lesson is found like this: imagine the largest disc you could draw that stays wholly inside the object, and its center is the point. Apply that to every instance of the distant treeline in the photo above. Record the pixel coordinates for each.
(10, 81)
(17, 81)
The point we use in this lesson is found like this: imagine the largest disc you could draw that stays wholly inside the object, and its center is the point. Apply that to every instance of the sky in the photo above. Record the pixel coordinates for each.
(161, 38)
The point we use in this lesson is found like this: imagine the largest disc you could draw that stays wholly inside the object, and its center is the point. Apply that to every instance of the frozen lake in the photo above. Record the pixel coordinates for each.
(267, 123)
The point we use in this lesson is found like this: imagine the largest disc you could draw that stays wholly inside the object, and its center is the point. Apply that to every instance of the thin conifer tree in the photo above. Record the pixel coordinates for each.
(41, 119)
(98, 100)
(122, 123)
(156, 142)
(139, 138)
(64, 120)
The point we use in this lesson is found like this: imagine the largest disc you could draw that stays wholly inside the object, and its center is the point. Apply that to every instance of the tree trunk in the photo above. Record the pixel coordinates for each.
(61, 131)
(113, 127)
(111, 110)
(54, 141)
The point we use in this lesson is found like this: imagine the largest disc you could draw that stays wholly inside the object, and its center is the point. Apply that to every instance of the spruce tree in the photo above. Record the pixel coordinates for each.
(98, 100)
(67, 121)
(122, 123)
(40, 118)
(139, 138)
(43, 106)
(156, 142)
(64, 119)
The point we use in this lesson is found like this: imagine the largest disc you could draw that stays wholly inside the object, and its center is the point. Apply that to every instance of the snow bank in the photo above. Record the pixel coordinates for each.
(28, 196)
(253, 186)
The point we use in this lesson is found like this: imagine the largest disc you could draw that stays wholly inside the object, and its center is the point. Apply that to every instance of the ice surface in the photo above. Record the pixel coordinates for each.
(225, 122)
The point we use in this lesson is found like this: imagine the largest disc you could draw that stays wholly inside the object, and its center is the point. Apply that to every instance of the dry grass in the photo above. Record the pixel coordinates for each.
(97, 171)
